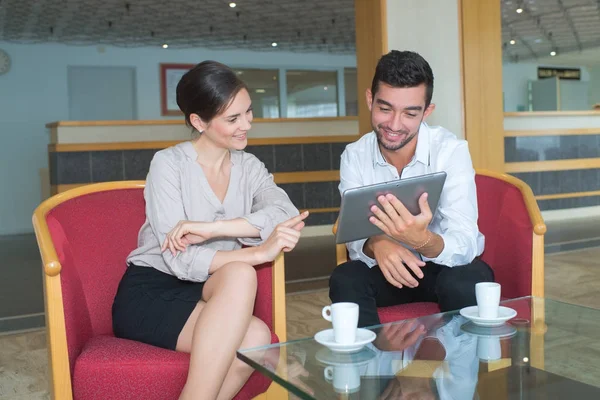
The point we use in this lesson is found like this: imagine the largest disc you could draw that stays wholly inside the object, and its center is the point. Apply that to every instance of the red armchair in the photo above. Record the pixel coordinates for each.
(511, 221)
(84, 236)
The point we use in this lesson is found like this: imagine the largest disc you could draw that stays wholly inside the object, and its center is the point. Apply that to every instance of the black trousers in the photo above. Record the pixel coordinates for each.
(452, 288)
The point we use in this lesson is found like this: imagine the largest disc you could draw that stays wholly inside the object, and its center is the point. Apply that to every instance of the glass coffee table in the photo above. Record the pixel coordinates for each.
(550, 350)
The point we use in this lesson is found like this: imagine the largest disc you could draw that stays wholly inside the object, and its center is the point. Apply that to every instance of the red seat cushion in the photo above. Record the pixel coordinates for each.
(113, 368)
(406, 311)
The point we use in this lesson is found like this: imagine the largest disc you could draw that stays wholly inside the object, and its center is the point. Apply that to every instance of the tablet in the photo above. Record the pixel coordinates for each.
(354, 224)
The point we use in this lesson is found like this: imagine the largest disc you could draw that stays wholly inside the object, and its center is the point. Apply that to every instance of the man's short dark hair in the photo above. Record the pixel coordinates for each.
(404, 69)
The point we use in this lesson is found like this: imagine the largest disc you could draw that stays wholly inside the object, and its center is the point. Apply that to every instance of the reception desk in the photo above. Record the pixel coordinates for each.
(302, 154)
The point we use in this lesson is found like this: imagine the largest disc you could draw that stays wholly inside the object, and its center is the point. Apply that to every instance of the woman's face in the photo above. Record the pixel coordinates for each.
(230, 128)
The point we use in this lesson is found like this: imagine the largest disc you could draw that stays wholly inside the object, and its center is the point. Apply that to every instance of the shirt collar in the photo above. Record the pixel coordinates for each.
(421, 152)
(190, 152)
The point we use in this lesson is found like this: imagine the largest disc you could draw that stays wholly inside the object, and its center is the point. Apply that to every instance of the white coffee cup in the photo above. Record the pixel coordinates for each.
(488, 348)
(488, 299)
(346, 378)
(344, 318)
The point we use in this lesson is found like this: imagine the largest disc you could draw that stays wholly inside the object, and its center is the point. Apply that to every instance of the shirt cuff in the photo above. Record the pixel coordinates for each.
(445, 258)
(265, 227)
(357, 253)
(200, 264)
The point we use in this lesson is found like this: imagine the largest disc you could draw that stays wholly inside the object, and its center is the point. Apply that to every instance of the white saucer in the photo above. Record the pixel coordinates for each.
(504, 314)
(335, 358)
(363, 337)
(503, 331)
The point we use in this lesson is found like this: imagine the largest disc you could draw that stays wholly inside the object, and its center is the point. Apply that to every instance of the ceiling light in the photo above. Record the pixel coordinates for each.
(274, 44)
(552, 53)
(519, 10)
(165, 46)
(260, 91)
(513, 41)
(325, 88)
(232, 5)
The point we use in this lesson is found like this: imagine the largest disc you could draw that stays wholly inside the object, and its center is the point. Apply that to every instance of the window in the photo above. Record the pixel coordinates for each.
(350, 91)
(311, 93)
(263, 86)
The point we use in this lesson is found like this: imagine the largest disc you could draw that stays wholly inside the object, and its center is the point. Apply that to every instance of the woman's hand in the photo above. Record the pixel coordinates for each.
(186, 233)
(284, 237)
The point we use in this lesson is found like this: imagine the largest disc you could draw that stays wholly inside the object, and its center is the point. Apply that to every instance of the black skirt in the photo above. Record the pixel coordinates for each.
(152, 307)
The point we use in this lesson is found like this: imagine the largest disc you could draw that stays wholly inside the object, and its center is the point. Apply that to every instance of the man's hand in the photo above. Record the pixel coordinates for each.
(393, 259)
(396, 221)
(399, 336)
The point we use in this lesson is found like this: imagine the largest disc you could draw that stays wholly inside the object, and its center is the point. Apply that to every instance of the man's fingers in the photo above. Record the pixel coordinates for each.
(412, 264)
(380, 225)
(424, 206)
(389, 278)
(399, 207)
(388, 207)
(295, 220)
(382, 216)
(413, 336)
(403, 272)
(399, 277)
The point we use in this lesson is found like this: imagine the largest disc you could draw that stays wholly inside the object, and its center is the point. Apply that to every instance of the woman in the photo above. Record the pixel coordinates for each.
(189, 286)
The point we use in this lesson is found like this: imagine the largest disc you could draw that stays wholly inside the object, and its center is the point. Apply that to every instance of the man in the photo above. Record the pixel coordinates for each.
(417, 258)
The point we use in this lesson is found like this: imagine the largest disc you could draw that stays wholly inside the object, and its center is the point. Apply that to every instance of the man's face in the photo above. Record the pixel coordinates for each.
(396, 114)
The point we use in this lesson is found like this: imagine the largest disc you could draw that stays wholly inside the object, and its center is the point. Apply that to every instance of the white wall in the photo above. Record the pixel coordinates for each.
(430, 27)
(34, 92)
(514, 82)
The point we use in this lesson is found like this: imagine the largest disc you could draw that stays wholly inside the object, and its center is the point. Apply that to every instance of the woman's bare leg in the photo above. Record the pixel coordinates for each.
(216, 328)
(258, 335)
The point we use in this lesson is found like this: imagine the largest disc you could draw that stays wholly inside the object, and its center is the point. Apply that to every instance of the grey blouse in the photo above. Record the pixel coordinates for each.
(177, 189)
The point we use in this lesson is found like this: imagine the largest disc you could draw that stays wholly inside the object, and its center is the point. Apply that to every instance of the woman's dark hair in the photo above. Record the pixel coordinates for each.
(404, 69)
(207, 89)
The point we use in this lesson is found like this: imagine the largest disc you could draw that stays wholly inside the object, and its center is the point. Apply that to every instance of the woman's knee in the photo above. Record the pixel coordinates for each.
(237, 275)
(258, 334)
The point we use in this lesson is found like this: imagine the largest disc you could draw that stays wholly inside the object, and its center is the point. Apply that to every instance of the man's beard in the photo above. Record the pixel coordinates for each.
(395, 146)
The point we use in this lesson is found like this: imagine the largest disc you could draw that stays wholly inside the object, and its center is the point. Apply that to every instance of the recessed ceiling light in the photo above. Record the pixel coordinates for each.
(274, 44)
(513, 41)
(232, 5)
(519, 10)
(165, 46)
(552, 53)
(325, 88)
(260, 90)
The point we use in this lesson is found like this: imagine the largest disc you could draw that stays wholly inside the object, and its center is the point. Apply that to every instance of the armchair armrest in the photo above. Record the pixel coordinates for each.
(270, 297)
(341, 251)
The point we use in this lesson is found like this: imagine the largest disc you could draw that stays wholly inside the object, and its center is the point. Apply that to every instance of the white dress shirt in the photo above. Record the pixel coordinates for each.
(437, 150)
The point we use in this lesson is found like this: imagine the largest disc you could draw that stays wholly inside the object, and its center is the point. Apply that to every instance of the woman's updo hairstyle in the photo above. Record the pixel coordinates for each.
(207, 90)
